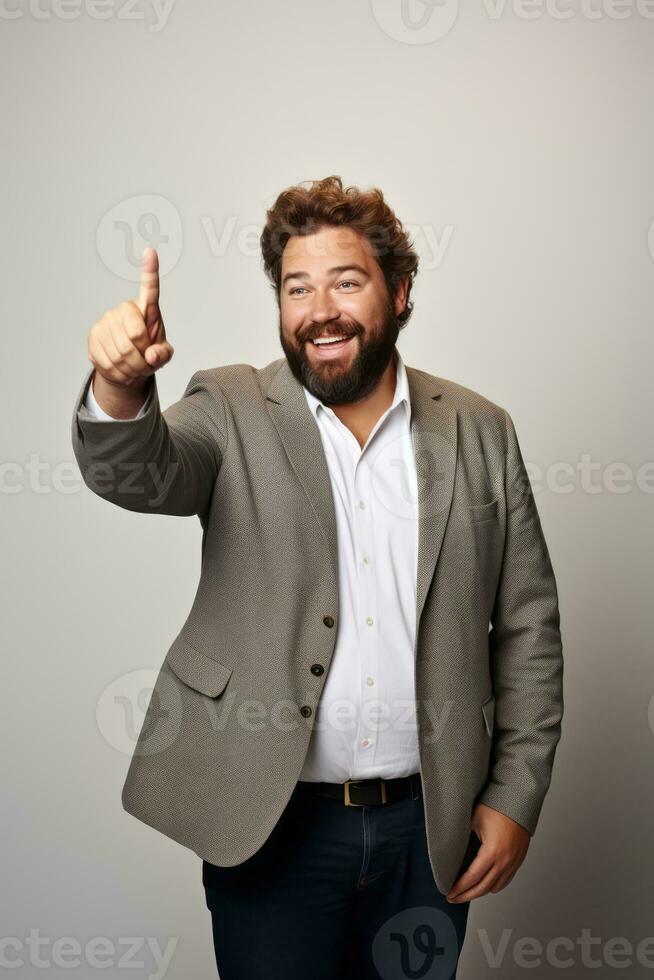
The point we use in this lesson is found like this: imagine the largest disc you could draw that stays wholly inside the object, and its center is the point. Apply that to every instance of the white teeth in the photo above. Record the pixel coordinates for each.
(328, 340)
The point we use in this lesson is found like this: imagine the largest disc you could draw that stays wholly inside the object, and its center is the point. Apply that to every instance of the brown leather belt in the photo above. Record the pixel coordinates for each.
(367, 792)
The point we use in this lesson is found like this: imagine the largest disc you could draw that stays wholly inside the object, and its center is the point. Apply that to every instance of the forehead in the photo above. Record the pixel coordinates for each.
(329, 246)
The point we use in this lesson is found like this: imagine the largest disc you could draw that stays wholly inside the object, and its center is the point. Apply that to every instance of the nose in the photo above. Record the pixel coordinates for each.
(323, 308)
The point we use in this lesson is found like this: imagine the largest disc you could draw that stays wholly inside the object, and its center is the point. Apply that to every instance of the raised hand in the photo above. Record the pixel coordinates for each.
(128, 343)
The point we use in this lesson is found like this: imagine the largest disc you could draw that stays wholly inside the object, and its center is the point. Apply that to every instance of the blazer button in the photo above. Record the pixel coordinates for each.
(328, 621)
(317, 669)
(305, 710)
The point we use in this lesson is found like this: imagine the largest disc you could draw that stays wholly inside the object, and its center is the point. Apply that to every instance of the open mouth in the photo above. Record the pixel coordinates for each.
(330, 346)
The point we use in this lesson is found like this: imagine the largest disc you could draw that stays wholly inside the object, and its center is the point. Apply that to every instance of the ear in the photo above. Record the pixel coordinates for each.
(401, 291)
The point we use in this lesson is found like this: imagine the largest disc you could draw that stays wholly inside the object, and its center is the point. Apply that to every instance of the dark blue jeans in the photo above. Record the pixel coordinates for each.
(336, 892)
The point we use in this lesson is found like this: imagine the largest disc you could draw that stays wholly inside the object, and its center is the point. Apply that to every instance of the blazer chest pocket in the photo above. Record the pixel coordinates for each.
(195, 669)
(488, 711)
(477, 513)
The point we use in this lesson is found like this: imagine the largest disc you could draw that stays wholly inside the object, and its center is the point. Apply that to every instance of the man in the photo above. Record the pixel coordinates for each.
(370, 543)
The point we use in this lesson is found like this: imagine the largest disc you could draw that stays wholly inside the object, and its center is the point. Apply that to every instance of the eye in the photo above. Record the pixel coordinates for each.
(295, 289)
(348, 282)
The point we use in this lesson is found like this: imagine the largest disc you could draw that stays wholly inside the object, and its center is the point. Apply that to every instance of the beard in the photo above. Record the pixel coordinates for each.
(332, 383)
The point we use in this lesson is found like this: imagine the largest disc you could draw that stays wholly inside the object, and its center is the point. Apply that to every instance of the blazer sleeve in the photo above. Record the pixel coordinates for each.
(526, 658)
(159, 462)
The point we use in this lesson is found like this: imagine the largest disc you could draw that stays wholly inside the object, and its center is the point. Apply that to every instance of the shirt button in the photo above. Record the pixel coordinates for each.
(361, 505)
(328, 621)
(366, 560)
(365, 742)
(370, 681)
(369, 620)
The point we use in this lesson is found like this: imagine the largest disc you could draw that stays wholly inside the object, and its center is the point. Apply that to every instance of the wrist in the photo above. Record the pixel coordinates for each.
(119, 400)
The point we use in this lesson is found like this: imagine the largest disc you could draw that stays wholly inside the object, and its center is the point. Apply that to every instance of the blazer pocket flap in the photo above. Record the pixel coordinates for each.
(202, 673)
(488, 709)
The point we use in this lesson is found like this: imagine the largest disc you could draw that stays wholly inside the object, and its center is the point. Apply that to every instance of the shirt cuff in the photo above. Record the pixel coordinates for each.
(99, 413)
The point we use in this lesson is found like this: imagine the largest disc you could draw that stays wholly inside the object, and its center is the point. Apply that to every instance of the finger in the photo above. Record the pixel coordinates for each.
(103, 362)
(481, 888)
(125, 356)
(504, 879)
(478, 867)
(128, 326)
(148, 301)
(159, 354)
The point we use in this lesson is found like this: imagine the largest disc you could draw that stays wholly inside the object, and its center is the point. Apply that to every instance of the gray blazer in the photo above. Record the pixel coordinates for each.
(228, 725)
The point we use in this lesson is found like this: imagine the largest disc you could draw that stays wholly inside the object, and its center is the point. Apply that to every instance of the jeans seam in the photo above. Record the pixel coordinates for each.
(366, 847)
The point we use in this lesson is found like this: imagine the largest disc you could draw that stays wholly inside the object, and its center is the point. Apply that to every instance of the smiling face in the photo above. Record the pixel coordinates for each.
(333, 287)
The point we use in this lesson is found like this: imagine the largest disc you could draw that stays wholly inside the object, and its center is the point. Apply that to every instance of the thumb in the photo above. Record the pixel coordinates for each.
(159, 354)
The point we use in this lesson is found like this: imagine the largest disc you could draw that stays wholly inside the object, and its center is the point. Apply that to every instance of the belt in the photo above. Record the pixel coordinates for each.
(367, 792)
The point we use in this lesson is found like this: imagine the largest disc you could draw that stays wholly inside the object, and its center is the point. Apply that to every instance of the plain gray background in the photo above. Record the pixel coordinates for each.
(515, 140)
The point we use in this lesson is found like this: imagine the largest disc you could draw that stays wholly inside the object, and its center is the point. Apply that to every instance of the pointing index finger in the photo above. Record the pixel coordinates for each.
(148, 301)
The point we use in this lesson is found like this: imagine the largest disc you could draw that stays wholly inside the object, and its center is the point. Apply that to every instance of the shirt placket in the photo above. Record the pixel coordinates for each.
(366, 743)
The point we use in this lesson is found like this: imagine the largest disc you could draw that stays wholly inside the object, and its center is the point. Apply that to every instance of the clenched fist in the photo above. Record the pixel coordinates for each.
(128, 344)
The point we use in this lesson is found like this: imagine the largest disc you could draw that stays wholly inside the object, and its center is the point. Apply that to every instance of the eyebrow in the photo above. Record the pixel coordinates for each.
(335, 269)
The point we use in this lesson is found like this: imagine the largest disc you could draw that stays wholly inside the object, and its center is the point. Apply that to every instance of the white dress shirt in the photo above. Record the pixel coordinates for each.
(365, 725)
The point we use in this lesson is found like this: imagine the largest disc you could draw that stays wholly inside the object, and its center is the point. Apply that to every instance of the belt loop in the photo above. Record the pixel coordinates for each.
(415, 786)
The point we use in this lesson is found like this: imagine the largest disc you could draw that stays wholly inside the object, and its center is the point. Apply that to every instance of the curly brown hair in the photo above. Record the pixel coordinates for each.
(304, 211)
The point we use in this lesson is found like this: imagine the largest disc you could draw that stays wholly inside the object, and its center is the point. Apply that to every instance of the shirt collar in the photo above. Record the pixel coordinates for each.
(402, 393)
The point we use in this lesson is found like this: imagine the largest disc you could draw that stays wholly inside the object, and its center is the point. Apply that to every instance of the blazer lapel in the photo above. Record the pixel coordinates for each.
(434, 436)
(300, 435)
